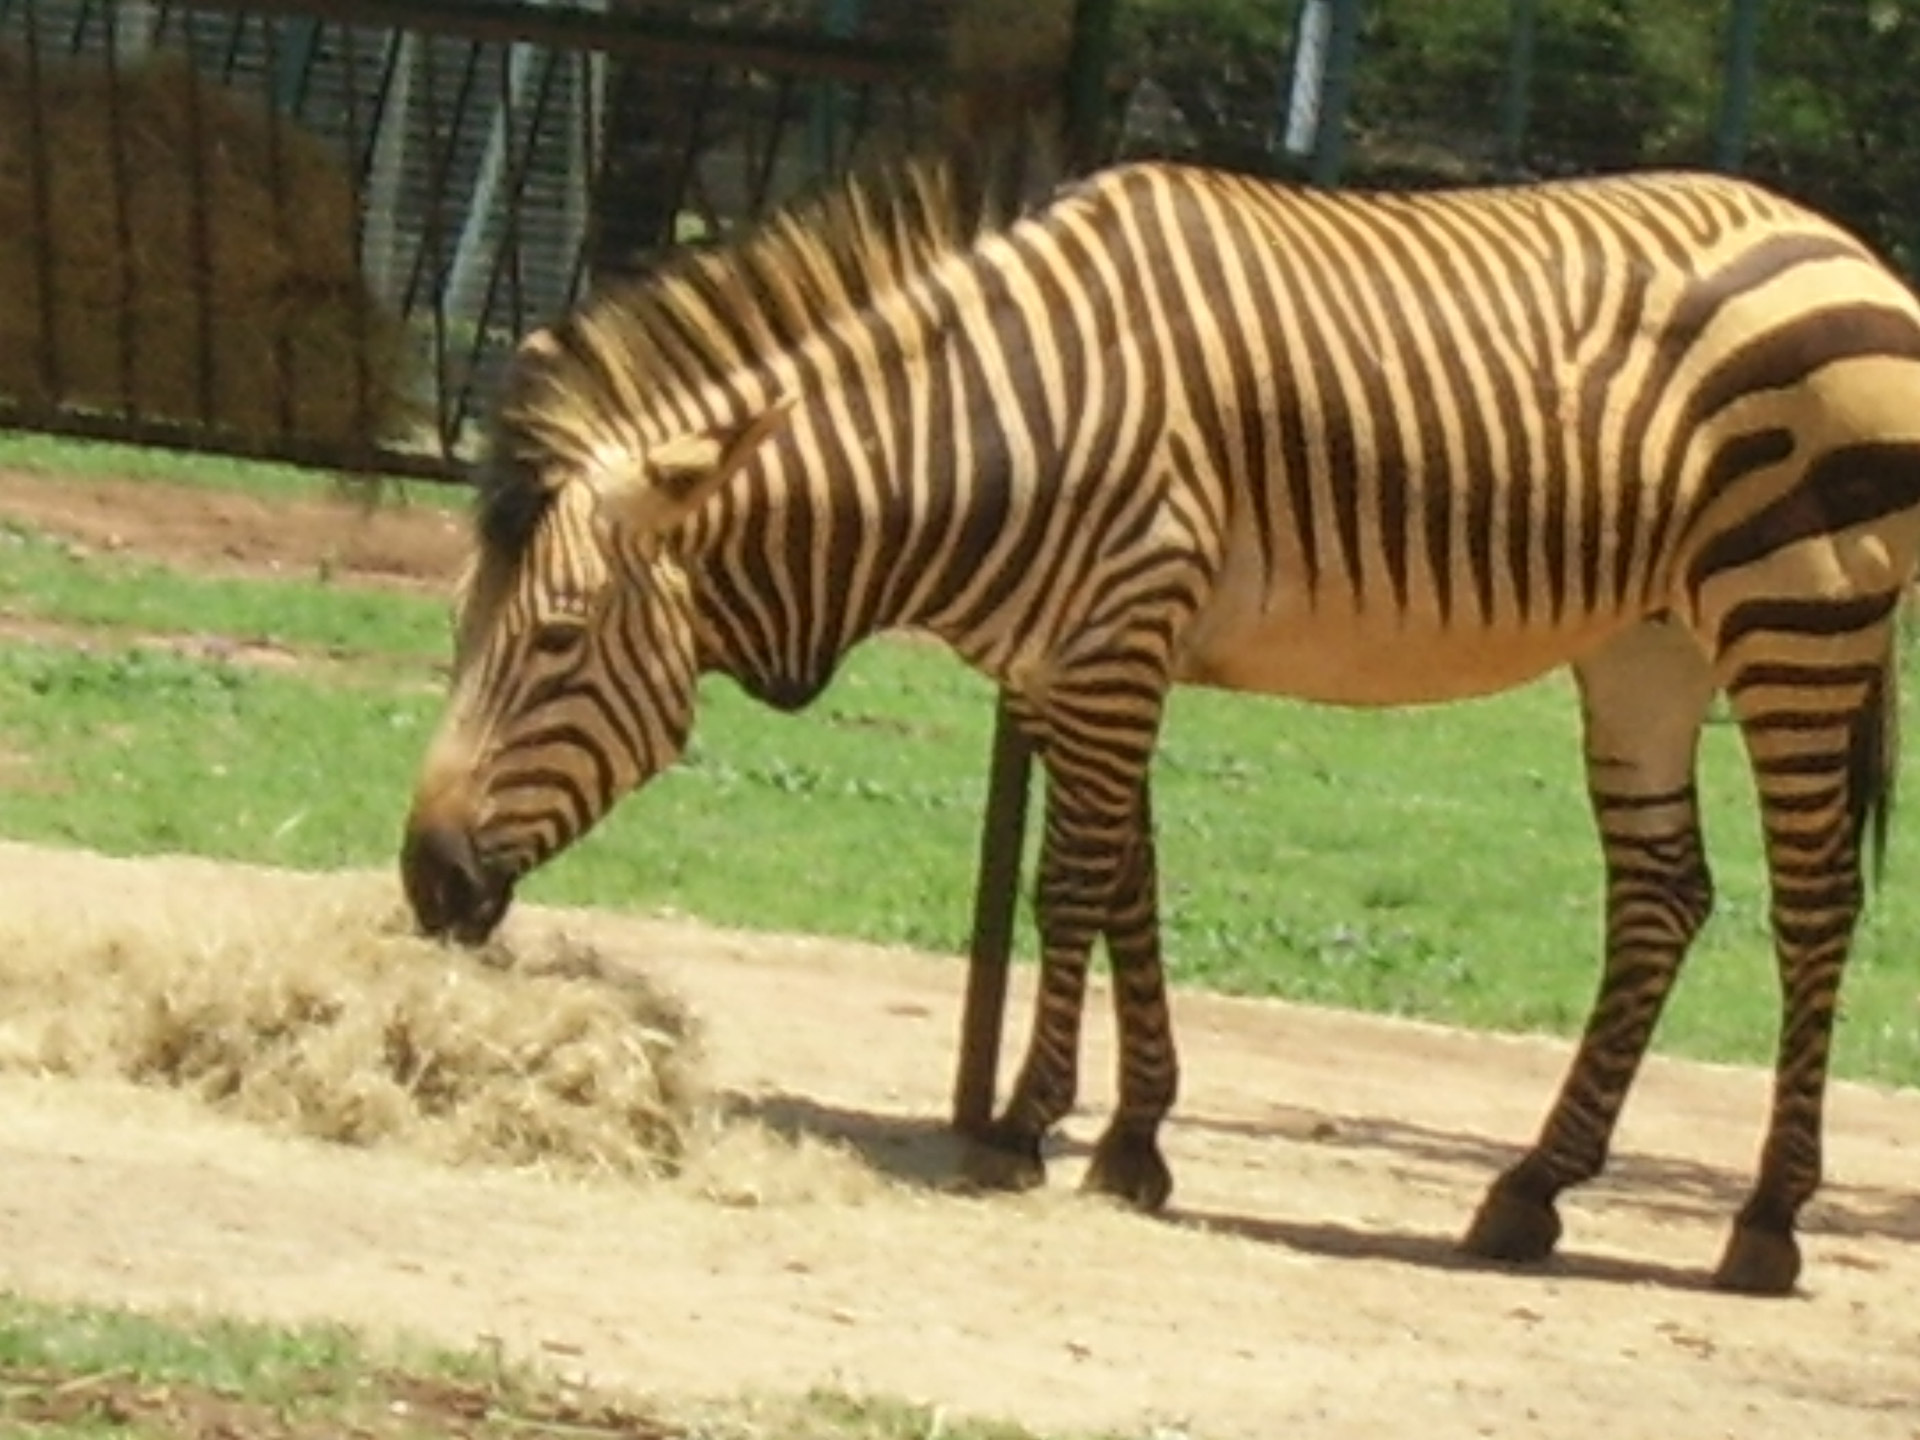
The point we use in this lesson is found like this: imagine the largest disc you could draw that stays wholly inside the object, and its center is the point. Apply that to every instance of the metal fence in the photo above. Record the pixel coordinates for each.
(1815, 97)
(310, 232)
(309, 235)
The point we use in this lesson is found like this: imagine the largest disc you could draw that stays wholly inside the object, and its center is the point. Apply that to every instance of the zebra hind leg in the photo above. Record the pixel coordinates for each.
(1127, 1162)
(1643, 699)
(1818, 721)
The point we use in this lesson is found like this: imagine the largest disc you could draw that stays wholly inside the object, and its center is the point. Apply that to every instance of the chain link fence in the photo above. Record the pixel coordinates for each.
(312, 231)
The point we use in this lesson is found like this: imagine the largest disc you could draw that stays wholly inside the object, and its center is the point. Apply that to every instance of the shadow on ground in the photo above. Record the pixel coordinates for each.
(1666, 1186)
(1430, 1251)
(914, 1150)
(920, 1151)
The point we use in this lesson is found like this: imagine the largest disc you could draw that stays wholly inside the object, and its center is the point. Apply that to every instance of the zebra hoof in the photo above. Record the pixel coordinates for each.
(1002, 1160)
(1514, 1228)
(1759, 1262)
(1128, 1166)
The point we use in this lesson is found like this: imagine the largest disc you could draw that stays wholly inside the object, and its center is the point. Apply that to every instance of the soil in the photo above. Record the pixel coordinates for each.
(1305, 1280)
(211, 531)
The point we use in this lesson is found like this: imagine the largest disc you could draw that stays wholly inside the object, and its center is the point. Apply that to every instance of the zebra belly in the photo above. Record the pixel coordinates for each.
(1339, 655)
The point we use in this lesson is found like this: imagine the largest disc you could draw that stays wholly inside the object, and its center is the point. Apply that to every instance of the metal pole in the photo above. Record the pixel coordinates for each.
(1003, 835)
(1736, 98)
(294, 63)
(1003, 828)
(1330, 135)
(823, 124)
(1089, 63)
(1522, 19)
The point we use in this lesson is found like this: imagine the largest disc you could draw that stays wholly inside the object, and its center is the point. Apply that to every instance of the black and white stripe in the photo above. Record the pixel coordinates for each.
(1180, 426)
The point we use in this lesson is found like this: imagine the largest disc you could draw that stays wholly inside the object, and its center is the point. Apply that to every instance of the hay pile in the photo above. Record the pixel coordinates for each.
(1026, 38)
(278, 269)
(326, 1017)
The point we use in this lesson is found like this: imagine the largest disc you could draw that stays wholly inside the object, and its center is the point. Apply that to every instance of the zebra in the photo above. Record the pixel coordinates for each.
(1182, 426)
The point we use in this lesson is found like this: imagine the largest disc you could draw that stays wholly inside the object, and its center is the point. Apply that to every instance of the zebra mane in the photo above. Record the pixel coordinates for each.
(629, 352)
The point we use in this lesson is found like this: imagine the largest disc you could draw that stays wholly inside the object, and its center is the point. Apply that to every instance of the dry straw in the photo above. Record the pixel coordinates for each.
(324, 1016)
(292, 331)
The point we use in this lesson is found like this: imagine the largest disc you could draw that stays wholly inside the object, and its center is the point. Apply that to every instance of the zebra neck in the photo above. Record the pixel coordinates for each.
(801, 573)
(902, 493)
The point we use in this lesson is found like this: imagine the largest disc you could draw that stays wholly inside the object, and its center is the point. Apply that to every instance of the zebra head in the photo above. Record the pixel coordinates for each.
(575, 664)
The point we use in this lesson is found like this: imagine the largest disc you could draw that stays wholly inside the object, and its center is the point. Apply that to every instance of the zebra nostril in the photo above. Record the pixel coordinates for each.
(450, 892)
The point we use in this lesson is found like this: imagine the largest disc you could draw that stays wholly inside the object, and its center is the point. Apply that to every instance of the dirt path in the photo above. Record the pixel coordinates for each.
(1305, 1284)
(229, 532)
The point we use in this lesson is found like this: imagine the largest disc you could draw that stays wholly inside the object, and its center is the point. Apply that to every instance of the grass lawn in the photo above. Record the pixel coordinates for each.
(68, 1372)
(47, 580)
(1436, 862)
(90, 459)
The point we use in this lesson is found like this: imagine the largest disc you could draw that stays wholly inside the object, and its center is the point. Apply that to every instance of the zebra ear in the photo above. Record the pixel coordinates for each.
(685, 472)
(676, 478)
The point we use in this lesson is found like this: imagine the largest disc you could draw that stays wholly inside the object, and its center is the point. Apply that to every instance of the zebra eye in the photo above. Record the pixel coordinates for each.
(557, 637)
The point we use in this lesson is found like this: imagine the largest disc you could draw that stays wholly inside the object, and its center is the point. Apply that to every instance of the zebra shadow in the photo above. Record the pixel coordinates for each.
(1429, 1250)
(919, 1150)
(1666, 1187)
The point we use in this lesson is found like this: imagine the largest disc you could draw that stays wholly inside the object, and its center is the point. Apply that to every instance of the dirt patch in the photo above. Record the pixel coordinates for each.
(1306, 1281)
(210, 531)
(252, 653)
(397, 1406)
(21, 774)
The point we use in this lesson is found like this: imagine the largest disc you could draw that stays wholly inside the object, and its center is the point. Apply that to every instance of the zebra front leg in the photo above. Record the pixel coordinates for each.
(1643, 699)
(1089, 824)
(1820, 739)
(1127, 1162)
(1071, 898)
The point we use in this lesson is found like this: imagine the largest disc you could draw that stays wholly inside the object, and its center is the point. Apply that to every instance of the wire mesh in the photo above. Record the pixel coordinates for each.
(315, 236)
(495, 159)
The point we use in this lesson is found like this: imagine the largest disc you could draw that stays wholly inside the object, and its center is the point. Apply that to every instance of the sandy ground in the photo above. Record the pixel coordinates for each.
(1305, 1281)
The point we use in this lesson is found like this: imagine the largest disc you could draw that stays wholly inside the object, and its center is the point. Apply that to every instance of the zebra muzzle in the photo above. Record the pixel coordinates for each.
(454, 895)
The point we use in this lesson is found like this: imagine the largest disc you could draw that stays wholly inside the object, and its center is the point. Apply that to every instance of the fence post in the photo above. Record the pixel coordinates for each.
(1089, 62)
(293, 57)
(1330, 132)
(1523, 16)
(996, 896)
(1736, 96)
(1003, 828)
(823, 120)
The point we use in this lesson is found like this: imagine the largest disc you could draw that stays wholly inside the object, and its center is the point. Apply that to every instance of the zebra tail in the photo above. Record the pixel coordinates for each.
(1873, 761)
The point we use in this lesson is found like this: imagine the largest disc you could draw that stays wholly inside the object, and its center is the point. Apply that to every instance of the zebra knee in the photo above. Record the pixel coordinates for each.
(1661, 890)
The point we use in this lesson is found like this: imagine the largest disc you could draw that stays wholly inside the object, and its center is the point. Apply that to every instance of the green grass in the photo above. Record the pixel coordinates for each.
(92, 459)
(49, 580)
(68, 1372)
(139, 751)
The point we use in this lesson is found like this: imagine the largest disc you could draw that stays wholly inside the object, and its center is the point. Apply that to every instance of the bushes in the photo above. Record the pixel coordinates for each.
(1617, 84)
